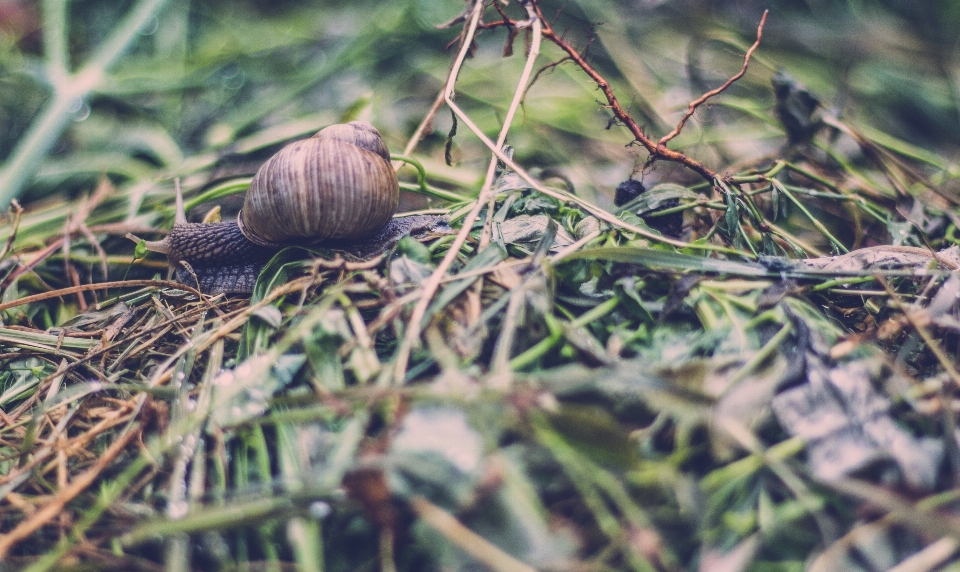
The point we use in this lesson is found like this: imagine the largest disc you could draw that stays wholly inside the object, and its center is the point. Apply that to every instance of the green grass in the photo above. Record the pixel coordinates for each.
(568, 387)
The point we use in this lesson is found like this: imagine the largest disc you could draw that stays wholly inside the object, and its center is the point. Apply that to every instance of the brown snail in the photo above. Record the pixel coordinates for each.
(336, 188)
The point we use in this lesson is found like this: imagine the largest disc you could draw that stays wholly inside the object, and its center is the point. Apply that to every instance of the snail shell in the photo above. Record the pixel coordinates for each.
(338, 184)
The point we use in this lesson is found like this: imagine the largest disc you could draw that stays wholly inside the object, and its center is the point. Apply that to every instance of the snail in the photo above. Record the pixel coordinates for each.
(336, 189)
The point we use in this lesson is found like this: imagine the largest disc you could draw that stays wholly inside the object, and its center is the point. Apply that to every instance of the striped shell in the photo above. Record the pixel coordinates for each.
(338, 184)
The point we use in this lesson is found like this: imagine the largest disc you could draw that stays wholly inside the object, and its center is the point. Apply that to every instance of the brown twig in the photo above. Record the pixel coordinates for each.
(38, 257)
(425, 127)
(692, 108)
(468, 541)
(656, 150)
(543, 70)
(74, 278)
(100, 286)
(59, 502)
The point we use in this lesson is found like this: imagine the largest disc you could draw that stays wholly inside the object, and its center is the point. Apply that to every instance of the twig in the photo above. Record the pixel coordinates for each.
(422, 128)
(573, 199)
(522, 85)
(78, 485)
(692, 108)
(412, 335)
(656, 151)
(469, 541)
(100, 286)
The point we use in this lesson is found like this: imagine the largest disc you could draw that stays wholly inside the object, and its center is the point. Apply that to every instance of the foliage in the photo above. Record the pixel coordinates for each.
(749, 363)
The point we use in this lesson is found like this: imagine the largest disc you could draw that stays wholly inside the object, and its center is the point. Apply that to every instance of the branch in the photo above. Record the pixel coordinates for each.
(692, 108)
(80, 483)
(543, 70)
(656, 150)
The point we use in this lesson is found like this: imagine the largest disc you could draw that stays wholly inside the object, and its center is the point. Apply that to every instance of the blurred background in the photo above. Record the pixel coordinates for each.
(208, 89)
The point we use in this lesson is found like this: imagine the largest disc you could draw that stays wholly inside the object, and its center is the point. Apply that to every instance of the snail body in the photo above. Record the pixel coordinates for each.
(335, 188)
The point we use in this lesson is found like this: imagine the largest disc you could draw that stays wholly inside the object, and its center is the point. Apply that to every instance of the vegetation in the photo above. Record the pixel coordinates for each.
(744, 359)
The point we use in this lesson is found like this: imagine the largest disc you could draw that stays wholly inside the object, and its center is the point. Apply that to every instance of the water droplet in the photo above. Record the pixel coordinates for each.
(79, 108)
(224, 379)
(319, 510)
(244, 370)
(232, 77)
(82, 113)
(178, 509)
(150, 27)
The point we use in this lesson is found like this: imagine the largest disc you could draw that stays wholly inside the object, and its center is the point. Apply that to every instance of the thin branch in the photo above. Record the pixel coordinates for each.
(543, 70)
(425, 127)
(412, 335)
(656, 151)
(79, 484)
(518, 95)
(692, 108)
(468, 541)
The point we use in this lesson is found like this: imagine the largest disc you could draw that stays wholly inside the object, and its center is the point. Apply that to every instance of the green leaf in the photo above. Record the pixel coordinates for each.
(140, 250)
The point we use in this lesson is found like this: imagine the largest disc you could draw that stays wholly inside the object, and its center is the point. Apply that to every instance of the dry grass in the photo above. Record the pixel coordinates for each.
(686, 382)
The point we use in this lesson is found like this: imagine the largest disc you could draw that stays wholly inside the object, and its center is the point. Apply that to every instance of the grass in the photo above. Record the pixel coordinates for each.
(559, 383)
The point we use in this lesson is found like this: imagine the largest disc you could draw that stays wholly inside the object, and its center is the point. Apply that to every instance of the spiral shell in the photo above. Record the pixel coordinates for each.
(338, 184)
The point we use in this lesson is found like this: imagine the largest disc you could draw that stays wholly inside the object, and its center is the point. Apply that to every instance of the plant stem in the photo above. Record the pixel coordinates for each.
(68, 91)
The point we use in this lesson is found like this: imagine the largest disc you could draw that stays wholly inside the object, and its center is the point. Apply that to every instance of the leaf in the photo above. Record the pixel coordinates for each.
(667, 260)
(414, 250)
(530, 230)
(245, 392)
(140, 250)
(25, 379)
(407, 274)
(277, 271)
(323, 349)
(847, 426)
(487, 258)
(656, 197)
(595, 433)
(271, 316)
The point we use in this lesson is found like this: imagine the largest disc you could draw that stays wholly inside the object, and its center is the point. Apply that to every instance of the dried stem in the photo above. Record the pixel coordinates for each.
(692, 108)
(412, 335)
(79, 484)
(100, 286)
(657, 151)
